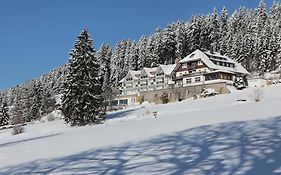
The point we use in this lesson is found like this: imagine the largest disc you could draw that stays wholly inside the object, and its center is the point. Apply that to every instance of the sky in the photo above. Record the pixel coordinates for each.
(37, 35)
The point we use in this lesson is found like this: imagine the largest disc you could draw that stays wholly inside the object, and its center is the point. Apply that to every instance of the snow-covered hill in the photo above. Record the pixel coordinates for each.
(217, 135)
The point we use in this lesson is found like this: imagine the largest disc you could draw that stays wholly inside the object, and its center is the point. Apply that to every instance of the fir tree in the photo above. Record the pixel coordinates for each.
(134, 56)
(82, 101)
(4, 116)
(142, 52)
(180, 41)
(104, 57)
(223, 31)
(36, 107)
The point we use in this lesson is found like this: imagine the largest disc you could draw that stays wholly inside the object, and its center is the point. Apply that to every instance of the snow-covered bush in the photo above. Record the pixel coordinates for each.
(258, 94)
(208, 92)
(239, 83)
(18, 129)
(50, 117)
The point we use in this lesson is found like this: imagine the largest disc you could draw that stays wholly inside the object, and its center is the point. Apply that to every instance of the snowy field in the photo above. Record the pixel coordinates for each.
(215, 135)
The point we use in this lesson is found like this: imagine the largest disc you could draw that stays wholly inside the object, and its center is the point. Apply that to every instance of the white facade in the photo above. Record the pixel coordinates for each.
(197, 68)
(147, 79)
(200, 68)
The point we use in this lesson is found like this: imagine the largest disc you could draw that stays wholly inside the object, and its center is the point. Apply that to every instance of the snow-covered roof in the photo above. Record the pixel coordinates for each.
(133, 74)
(167, 69)
(150, 72)
(205, 58)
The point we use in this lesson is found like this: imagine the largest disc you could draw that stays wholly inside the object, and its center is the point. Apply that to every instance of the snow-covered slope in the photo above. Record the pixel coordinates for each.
(217, 135)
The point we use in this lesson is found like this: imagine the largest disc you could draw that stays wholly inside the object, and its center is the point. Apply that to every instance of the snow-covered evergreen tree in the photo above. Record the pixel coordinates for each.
(240, 83)
(194, 31)
(180, 41)
(4, 116)
(169, 45)
(104, 57)
(134, 56)
(82, 100)
(119, 64)
(152, 57)
(213, 25)
(142, 52)
(223, 31)
(36, 100)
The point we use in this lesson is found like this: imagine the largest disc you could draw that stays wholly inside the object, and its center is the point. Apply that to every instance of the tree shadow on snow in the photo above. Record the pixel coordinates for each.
(122, 113)
(252, 147)
(26, 140)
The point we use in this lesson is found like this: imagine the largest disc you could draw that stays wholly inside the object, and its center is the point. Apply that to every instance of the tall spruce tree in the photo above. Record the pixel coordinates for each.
(104, 57)
(4, 116)
(82, 100)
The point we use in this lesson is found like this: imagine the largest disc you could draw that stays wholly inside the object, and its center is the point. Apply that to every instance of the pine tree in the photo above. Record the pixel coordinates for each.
(194, 32)
(180, 41)
(134, 56)
(82, 101)
(214, 30)
(158, 49)
(104, 57)
(142, 52)
(36, 107)
(4, 116)
(169, 45)
(17, 112)
(152, 57)
(223, 31)
(119, 63)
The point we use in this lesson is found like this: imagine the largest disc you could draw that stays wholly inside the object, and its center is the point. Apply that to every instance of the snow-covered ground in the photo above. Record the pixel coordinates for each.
(217, 135)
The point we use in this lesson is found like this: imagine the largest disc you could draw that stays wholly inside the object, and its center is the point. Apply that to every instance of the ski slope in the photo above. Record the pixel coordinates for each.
(215, 135)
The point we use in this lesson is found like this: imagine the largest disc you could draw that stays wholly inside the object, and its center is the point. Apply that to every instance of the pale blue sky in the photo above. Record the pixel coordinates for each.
(37, 35)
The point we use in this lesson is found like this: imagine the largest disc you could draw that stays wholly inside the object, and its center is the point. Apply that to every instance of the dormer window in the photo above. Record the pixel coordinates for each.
(192, 55)
(200, 62)
(184, 66)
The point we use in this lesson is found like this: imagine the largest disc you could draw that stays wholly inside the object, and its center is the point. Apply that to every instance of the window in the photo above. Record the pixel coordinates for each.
(200, 63)
(191, 56)
(160, 73)
(197, 79)
(188, 80)
(179, 83)
(184, 66)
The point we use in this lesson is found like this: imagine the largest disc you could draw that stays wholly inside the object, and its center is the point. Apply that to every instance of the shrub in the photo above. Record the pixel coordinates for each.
(208, 92)
(164, 97)
(18, 129)
(50, 117)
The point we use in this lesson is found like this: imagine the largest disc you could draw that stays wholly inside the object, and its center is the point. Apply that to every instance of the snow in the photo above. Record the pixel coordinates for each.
(149, 71)
(167, 69)
(214, 135)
